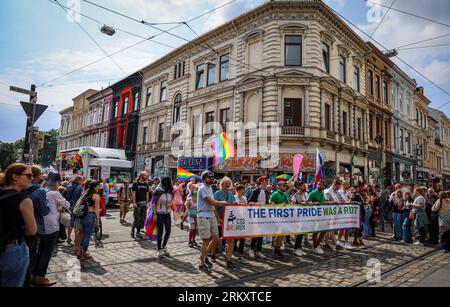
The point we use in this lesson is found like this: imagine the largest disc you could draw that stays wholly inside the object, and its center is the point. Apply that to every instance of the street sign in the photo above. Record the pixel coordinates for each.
(22, 91)
(28, 108)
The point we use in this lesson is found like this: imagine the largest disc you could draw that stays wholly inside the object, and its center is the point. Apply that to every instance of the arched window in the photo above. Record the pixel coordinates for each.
(177, 109)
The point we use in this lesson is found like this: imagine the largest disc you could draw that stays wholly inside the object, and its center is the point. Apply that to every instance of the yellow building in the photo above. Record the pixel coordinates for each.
(80, 117)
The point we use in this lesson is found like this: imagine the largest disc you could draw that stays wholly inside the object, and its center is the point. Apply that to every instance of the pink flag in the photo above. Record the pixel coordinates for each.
(297, 163)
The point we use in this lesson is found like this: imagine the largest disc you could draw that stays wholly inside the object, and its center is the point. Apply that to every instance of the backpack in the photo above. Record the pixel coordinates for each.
(3, 232)
(81, 208)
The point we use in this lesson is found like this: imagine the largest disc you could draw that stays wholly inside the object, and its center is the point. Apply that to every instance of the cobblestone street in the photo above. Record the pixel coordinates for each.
(121, 261)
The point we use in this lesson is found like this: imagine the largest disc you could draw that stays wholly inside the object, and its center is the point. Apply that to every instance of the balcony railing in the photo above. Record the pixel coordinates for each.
(293, 130)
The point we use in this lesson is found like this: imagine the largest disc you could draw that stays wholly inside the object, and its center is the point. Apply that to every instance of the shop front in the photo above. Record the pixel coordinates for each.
(158, 167)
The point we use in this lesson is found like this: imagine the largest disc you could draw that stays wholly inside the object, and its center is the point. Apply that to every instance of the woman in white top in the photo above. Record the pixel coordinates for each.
(239, 198)
(47, 241)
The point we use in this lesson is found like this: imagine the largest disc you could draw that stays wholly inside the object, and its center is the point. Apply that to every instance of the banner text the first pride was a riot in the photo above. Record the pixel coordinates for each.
(246, 221)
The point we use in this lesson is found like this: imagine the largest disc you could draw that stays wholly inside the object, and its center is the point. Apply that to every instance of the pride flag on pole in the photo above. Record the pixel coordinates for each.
(185, 175)
(320, 169)
(223, 148)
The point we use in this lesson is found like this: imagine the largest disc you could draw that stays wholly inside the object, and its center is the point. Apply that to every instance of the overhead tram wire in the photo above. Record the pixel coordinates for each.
(421, 47)
(115, 28)
(133, 45)
(93, 39)
(423, 41)
(384, 16)
(164, 31)
(371, 38)
(411, 14)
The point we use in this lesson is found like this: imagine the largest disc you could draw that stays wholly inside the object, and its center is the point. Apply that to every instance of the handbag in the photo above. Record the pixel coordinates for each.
(64, 216)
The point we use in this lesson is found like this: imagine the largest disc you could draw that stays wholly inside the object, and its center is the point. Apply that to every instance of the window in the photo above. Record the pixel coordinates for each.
(371, 127)
(177, 109)
(417, 116)
(106, 113)
(211, 77)
(293, 50)
(160, 132)
(408, 142)
(200, 79)
(125, 106)
(395, 137)
(356, 78)
(385, 93)
(377, 86)
(209, 118)
(386, 134)
(326, 57)
(144, 136)
(116, 105)
(293, 112)
(401, 103)
(342, 69)
(196, 124)
(402, 145)
(137, 101)
(163, 95)
(359, 129)
(225, 117)
(149, 97)
(328, 117)
(378, 125)
(344, 122)
(178, 70)
(370, 82)
(224, 67)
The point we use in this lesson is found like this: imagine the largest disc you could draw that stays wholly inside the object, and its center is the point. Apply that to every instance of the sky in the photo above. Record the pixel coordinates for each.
(40, 41)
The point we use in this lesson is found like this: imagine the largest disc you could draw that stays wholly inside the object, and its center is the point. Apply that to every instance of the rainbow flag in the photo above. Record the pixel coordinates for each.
(185, 175)
(151, 231)
(223, 148)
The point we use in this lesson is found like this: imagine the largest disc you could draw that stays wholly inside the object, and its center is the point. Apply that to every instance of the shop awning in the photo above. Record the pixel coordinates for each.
(111, 163)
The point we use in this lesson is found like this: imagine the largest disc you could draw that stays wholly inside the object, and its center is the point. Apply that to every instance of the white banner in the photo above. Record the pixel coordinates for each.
(246, 221)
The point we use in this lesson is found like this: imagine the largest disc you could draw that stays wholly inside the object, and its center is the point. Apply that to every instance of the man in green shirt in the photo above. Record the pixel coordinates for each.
(279, 197)
(318, 197)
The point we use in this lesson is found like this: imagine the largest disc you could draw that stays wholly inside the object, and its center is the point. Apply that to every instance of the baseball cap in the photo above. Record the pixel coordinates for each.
(262, 178)
(206, 174)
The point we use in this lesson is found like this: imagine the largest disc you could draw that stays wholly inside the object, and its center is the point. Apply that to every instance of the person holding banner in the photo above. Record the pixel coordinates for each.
(224, 194)
(279, 197)
(317, 196)
(206, 219)
(345, 195)
(239, 198)
(300, 197)
(260, 195)
(332, 196)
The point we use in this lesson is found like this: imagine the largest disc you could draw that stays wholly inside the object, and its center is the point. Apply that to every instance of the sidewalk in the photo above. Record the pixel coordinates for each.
(440, 278)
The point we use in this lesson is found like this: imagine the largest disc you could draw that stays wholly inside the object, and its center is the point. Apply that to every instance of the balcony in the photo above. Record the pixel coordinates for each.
(298, 131)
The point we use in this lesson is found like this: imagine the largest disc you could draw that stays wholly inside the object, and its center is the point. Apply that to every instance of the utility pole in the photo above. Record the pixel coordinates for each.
(33, 112)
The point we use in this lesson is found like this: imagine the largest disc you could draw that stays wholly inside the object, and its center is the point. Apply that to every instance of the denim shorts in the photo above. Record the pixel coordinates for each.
(14, 262)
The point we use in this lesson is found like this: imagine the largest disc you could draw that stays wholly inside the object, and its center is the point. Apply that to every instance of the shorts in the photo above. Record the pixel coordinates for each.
(124, 206)
(77, 224)
(207, 227)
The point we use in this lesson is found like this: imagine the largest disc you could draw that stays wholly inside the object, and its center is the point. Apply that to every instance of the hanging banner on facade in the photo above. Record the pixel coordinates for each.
(246, 221)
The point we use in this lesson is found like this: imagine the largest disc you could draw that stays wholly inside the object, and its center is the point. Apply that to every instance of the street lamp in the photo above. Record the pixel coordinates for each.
(108, 30)
(379, 140)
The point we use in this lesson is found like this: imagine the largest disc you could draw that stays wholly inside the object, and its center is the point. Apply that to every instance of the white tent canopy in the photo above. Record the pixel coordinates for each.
(107, 153)
(110, 163)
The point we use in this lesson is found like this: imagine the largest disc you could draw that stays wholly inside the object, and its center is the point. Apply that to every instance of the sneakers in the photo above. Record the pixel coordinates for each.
(299, 252)
(340, 244)
(418, 244)
(230, 265)
(318, 250)
(191, 244)
(204, 267)
(195, 243)
(288, 244)
(160, 254)
(348, 246)
(165, 252)
(251, 254)
(260, 255)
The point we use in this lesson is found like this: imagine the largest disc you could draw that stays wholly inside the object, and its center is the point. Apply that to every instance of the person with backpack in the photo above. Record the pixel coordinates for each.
(16, 221)
(162, 205)
(260, 195)
(88, 210)
(77, 225)
(47, 240)
(72, 195)
(41, 209)
(125, 199)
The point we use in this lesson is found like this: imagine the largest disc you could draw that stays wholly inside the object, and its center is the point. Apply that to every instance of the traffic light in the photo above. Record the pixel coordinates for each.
(40, 140)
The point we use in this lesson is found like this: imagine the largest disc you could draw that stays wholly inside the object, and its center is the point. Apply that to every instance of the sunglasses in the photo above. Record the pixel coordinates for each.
(30, 176)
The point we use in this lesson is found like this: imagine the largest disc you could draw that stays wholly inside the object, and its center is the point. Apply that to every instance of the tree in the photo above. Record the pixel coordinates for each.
(47, 155)
(8, 155)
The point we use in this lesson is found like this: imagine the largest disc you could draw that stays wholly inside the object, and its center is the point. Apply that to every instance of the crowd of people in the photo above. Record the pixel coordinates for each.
(36, 213)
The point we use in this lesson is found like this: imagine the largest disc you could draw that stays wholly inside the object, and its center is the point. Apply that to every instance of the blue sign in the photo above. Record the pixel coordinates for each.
(195, 164)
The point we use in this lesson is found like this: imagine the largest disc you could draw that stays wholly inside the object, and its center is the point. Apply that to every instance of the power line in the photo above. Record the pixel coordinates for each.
(422, 41)
(371, 38)
(115, 28)
(76, 83)
(429, 46)
(19, 106)
(133, 45)
(92, 38)
(411, 14)
(384, 16)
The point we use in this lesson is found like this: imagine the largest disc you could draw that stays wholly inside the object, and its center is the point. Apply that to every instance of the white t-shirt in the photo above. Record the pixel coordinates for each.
(344, 194)
(332, 195)
(262, 196)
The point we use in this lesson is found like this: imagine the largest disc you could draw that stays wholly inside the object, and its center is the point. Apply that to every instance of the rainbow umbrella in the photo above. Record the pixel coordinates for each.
(284, 177)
